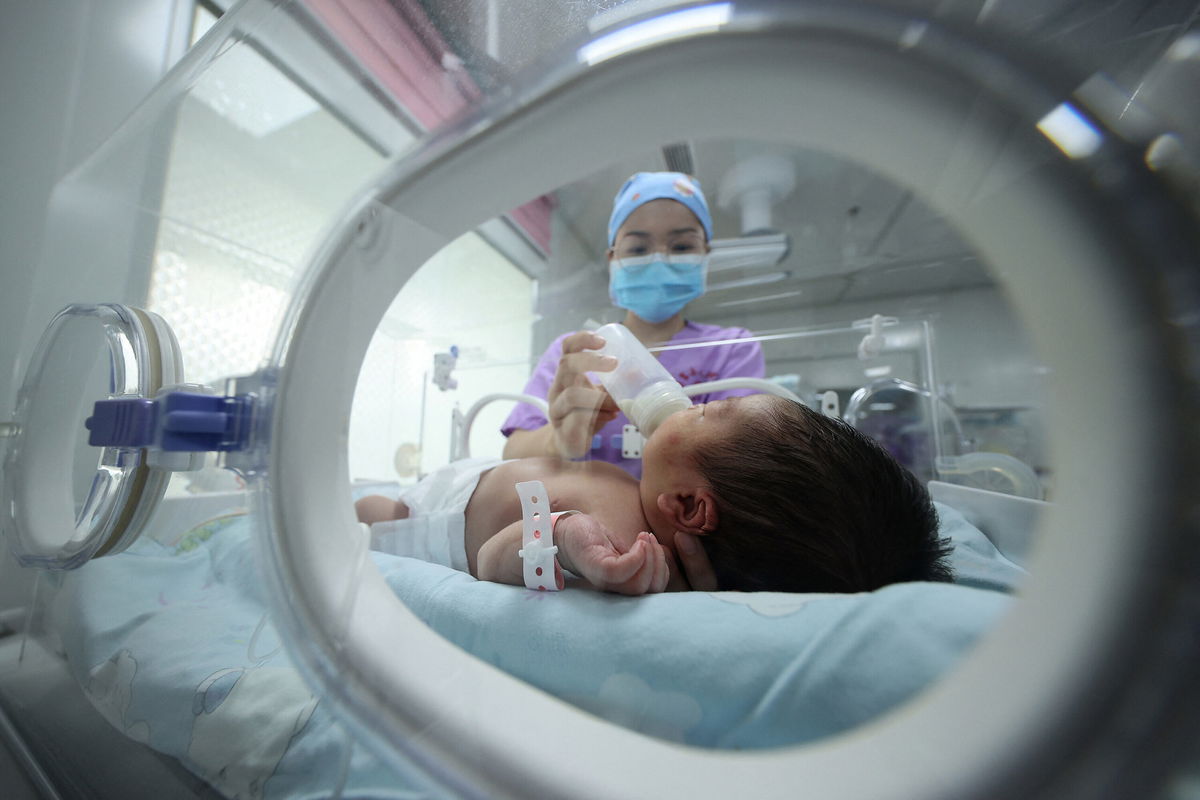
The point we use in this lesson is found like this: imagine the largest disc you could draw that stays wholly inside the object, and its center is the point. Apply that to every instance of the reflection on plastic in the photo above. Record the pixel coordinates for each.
(653, 31)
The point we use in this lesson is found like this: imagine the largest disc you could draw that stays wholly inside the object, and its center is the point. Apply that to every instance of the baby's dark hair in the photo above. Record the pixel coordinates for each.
(807, 503)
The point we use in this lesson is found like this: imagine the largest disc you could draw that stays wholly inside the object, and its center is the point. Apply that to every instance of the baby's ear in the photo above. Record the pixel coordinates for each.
(693, 511)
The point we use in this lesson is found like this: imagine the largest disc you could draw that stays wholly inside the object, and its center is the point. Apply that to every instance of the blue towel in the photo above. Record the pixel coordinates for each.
(174, 646)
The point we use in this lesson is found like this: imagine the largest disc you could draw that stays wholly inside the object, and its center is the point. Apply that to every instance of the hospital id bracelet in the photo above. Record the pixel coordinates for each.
(537, 536)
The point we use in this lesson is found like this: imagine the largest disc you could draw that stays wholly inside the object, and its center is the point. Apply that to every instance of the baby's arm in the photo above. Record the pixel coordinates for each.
(587, 548)
(498, 560)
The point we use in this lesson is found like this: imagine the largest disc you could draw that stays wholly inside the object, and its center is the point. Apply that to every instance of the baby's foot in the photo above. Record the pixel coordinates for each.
(377, 508)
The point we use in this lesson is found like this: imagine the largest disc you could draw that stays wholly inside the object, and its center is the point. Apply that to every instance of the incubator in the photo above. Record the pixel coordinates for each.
(321, 260)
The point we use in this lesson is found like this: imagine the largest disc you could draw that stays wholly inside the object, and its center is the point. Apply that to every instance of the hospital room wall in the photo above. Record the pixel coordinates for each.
(70, 72)
(573, 290)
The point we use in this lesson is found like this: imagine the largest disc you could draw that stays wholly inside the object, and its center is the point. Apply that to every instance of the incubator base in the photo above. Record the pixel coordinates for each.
(75, 750)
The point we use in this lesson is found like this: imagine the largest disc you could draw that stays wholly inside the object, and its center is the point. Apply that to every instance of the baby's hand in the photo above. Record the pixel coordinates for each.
(594, 553)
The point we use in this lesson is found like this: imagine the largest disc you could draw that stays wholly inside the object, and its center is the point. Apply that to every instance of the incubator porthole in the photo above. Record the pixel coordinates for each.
(447, 373)
(65, 500)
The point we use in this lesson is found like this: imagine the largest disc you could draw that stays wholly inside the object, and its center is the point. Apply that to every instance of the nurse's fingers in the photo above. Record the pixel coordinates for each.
(573, 368)
(696, 566)
(583, 400)
(582, 340)
(579, 357)
(576, 414)
(573, 436)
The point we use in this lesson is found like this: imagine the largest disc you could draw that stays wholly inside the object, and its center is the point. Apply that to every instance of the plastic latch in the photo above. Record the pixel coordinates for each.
(122, 422)
(631, 442)
(200, 422)
(174, 422)
(830, 405)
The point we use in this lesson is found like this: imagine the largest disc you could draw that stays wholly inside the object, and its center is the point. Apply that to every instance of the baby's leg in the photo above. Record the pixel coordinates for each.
(377, 508)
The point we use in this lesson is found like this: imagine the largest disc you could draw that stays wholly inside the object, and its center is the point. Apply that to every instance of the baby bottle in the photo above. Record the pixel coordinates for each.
(642, 387)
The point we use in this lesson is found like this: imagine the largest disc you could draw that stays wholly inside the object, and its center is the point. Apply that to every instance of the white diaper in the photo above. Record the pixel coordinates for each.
(436, 527)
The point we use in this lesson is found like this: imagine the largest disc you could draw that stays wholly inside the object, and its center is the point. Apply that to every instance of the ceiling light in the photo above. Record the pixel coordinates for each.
(765, 298)
(748, 252)
(756, 280)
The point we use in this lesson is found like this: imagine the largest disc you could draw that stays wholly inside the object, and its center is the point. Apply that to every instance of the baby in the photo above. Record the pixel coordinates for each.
(781, 498)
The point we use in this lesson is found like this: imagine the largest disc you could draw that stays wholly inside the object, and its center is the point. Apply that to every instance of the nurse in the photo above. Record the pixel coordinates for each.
(658, 246)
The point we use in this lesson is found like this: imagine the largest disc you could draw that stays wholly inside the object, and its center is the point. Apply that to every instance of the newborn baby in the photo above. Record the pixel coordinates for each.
(781, 498)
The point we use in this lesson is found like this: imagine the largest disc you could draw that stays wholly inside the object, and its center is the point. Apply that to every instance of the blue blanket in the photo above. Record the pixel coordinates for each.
(174, 646)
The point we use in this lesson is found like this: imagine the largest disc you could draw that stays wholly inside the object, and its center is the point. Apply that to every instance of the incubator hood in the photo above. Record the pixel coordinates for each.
(1095, 249)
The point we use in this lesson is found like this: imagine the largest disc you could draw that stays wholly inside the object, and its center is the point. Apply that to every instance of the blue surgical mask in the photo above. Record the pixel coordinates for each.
(658, 286)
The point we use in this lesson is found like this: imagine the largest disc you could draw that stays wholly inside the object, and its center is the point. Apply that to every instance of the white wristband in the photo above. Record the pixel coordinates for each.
(537, 536)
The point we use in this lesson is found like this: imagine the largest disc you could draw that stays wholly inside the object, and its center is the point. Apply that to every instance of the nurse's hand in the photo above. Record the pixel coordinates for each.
(696, 566)
(579, 408)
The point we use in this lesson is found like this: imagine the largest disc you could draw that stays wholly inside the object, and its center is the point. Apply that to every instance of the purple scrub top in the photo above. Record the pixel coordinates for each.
(688, 366)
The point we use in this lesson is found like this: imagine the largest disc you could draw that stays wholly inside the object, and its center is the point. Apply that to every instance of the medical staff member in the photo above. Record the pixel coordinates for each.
(658, 246)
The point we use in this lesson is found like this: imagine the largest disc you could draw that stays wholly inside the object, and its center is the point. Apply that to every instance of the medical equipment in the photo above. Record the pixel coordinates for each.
(640, 385)
(913, 423)
(873, 343)
(461, 424)
(996, 472)
(1092, 249)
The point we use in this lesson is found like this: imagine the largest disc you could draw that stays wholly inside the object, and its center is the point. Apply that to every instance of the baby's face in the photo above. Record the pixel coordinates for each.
(669, 455)
(682, 435)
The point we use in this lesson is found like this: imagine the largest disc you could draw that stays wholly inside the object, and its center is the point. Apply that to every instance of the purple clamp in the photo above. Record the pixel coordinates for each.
(202, 422)
(123, 422)
(175, 422)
